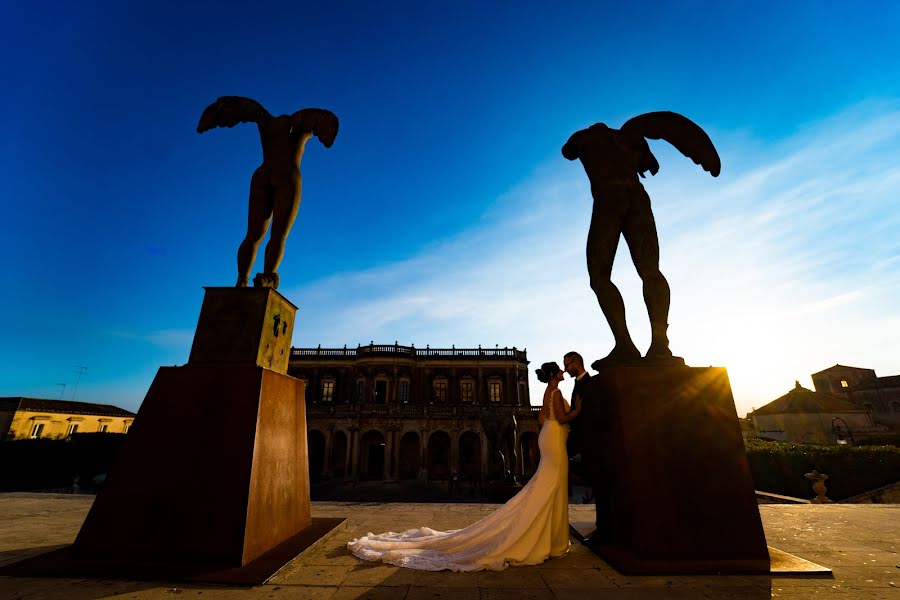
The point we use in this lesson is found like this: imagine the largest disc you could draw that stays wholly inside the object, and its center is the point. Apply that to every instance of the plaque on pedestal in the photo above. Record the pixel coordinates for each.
(681, 496)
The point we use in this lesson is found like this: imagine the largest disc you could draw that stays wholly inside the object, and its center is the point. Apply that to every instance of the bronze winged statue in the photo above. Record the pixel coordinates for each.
(613, 159)
(276, 183)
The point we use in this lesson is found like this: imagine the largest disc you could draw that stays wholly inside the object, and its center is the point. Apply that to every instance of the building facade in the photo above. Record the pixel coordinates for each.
(880, 396)
(812, 417)
(34, 418)
(392, 412)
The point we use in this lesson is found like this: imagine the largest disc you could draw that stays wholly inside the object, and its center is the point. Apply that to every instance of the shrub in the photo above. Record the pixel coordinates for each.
(778, 467)
(42, 464)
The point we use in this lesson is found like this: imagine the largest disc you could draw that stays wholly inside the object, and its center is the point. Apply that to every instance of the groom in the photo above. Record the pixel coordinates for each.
(583, 434)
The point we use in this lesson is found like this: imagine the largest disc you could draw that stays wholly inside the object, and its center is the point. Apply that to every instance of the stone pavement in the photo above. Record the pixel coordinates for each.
(861, 543)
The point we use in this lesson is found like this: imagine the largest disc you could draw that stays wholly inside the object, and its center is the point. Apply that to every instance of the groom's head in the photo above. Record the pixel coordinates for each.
(573, 364)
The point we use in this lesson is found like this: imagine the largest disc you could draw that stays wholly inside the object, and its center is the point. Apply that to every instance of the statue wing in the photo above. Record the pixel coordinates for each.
(322, 123)
(228, 111)
(679, 131)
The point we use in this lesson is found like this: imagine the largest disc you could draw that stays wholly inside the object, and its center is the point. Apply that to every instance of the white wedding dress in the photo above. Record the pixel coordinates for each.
(529, 528)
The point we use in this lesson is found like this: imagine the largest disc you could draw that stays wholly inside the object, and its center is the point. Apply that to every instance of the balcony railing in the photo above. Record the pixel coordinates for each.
(408, 351)
(419, 410)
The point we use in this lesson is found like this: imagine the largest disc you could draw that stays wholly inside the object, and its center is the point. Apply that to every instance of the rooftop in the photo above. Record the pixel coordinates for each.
(890, 381)
(861, 543)
(840, 367)
(63, 406)
(802, 400)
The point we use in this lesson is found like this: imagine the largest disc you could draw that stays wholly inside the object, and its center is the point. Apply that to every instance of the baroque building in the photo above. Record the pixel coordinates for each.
(392, 412)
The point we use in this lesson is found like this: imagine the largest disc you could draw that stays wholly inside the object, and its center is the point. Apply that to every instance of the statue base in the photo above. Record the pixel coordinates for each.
(214, 471)
(681, 499)
(212, 482)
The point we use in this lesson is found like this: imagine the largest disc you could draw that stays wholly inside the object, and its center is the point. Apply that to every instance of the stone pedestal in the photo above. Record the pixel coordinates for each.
(244, 326)
(681, 496)
(215, 469)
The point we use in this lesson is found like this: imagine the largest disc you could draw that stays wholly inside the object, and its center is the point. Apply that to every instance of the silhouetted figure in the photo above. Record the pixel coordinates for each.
(613, 159)
(276, 183)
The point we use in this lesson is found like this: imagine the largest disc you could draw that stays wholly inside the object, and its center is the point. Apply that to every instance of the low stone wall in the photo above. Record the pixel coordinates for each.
(888, 494)
(769, 498)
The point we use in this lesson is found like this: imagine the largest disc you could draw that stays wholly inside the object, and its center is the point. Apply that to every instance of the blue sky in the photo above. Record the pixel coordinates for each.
(444, 212)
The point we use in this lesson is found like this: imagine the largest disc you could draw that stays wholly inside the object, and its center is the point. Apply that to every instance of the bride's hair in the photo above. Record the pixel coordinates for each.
(547, 371)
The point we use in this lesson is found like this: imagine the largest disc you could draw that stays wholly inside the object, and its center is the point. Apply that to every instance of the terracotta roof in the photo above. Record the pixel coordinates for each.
(841, 368)
(891, 381)
(66, 406)
(802, 400)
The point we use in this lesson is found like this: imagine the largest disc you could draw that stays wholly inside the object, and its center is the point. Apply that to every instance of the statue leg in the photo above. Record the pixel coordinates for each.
(603, 239)
(287, 202)
(639, 230)
(258, 217)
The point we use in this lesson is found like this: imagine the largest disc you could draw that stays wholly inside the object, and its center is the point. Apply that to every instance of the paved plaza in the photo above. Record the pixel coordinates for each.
(861, 543)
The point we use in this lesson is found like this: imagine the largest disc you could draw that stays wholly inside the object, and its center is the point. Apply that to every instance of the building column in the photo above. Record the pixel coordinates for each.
(354, 448)
(388, 453)
(328, 467)
(395, 459)
(454, 451)
(423, 466)
(484, 455)
(520, 463)
(347, 453)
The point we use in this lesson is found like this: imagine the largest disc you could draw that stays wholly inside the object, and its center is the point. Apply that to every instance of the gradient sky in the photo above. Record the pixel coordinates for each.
(444, 213)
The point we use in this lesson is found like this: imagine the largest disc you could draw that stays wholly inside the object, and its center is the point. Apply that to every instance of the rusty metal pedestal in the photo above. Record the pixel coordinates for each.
(681, 497)
(212, 483)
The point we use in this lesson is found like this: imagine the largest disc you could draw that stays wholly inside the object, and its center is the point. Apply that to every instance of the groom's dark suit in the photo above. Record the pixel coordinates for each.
(585, 432)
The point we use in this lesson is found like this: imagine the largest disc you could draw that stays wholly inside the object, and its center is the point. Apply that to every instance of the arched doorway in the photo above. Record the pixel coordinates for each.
(470, 456)
(410, 455)
(315, 446)
(338, 453)
(439, 455)
(371, 456)
(530, 454)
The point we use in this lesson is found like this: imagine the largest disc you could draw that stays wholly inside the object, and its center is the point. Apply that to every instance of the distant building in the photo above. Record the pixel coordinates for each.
(391, 412)
(810, 417)
(24, 418)
(880, 396)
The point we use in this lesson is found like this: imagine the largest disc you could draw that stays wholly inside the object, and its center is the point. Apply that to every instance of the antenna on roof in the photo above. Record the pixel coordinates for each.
(81, 371)
(63, 390)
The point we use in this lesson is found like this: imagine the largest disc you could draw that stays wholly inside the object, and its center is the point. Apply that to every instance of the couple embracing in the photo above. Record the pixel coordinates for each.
(534, 524)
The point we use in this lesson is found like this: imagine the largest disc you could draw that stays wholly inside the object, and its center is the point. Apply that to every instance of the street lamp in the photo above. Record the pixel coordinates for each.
(837, 430)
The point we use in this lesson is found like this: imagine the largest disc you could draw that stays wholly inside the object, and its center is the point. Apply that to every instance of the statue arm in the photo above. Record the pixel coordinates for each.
(228, 111)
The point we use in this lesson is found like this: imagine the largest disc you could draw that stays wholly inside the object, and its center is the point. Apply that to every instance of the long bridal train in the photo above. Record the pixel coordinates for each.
(532, 527)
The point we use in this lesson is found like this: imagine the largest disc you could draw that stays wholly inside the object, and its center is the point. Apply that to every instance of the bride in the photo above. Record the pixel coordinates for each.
(531, 527)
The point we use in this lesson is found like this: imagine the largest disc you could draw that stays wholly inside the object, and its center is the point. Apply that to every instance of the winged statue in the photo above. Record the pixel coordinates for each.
(615, 160)
(276, 184)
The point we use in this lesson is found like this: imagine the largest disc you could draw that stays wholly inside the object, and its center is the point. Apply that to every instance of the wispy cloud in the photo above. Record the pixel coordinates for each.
(784, 265)
(165, 339)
